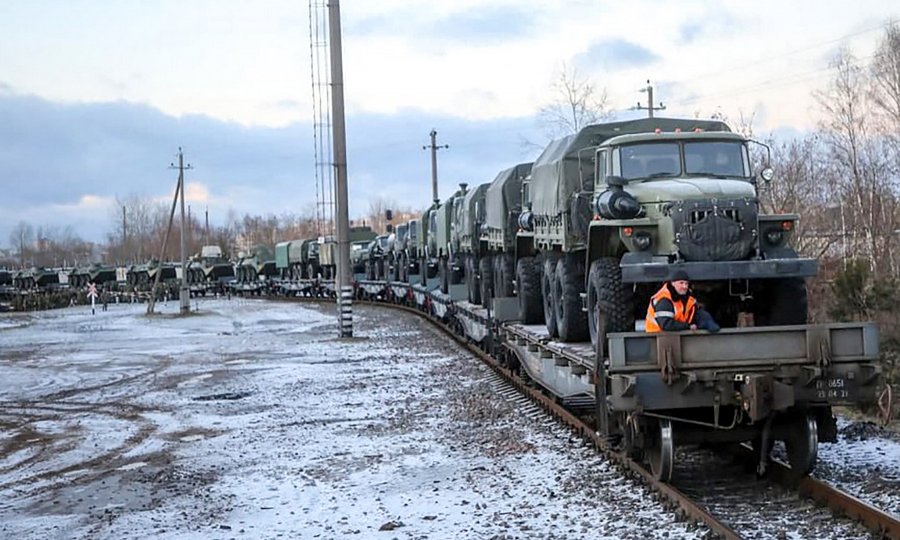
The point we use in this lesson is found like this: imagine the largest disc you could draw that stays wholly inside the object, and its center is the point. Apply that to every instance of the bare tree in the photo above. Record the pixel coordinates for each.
(885, 70)
(22, 238)
(577, 102)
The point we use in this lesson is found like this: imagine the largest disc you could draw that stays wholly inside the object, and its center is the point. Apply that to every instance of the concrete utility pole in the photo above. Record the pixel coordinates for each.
(434, 148)
(339, 144)
(649, 108)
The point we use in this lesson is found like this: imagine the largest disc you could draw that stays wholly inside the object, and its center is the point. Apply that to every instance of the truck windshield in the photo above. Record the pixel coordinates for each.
(650, 160)
(716, 158)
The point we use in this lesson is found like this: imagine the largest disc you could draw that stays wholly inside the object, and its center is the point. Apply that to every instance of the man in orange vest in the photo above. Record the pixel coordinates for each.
(673, 308)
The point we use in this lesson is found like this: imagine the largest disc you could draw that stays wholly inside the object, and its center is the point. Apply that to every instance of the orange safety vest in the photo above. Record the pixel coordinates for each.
(683, 313)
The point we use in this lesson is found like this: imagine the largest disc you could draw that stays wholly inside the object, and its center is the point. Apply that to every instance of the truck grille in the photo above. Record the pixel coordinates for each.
(714, 230)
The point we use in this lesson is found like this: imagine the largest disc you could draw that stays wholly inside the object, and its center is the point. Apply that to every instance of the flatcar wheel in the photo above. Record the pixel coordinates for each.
(802, 445)
(661, 450)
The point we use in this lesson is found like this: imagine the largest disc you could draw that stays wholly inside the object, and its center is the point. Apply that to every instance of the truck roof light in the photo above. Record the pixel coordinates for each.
(697, 130)
(787, 225)
(657, 131)
(677, 130)
(628, 231)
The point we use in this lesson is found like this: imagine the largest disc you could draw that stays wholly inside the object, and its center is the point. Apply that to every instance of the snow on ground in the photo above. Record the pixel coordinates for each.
(250, 419)
(864, 462)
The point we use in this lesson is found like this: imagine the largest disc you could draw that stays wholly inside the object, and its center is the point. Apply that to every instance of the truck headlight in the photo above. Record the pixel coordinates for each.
(774, 237)
(642, 240)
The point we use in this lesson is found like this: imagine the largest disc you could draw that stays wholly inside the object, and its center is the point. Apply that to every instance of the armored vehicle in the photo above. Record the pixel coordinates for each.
(258, 263)
(95, 273)
(36, 277)
(141, 277)
(358, 255)
(209, 269)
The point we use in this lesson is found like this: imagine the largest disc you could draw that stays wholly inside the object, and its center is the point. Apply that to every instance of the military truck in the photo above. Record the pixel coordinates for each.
(449, 263)
(297, 259)
(375, 257)
(427, 245)
(619, 207)
(412, 249)
(358, 256)
(503, 206)
(466, 232)
(327, 251)
(396, 253)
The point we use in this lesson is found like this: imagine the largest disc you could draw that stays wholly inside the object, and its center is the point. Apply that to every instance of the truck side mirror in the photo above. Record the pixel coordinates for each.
(390, 228)
(767, 174)
(388, 215)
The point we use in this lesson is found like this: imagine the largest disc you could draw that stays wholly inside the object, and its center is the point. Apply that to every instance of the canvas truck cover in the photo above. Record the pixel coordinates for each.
(505, 195)
(468, 220)
(281, 254)
(555, 175)
(360, 233)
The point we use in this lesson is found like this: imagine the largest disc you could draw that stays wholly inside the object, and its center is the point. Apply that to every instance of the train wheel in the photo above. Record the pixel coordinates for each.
(802, 445)
(660, 450)
(548, 279)
(528, 282)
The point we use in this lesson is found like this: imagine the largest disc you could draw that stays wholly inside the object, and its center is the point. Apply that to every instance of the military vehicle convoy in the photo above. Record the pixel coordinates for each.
(209, 271)
(587, 233)
(257, 264)
(35, 277)
(297, 259)
(96, 273)
(142, 276)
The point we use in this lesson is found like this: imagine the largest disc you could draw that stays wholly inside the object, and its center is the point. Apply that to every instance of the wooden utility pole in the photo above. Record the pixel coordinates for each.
(649, 108)
(339, 144)
(434, 148)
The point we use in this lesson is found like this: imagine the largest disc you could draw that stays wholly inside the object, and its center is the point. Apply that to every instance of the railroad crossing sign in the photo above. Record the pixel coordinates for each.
(92, 293)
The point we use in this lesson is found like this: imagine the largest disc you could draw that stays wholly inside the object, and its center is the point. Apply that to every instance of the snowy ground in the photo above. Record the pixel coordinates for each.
(251, 420)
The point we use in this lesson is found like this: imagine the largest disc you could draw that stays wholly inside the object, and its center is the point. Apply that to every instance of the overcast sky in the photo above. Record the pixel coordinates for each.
(97, 96)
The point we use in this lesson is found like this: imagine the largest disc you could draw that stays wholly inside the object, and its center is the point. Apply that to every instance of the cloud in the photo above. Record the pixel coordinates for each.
(65, 164)
(614, 55)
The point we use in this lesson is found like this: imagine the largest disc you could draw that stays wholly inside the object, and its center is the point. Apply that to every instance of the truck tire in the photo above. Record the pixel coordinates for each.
(608, 295)
(571, 320)
(507, 271)
(486, 281)
(472, 285)
(379, 270)
(528, 279)
(784, 302)
(443, 272)
(548, 279)
(423, 271)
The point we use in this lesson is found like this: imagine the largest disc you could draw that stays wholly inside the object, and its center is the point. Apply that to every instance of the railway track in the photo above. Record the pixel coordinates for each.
(731, 503)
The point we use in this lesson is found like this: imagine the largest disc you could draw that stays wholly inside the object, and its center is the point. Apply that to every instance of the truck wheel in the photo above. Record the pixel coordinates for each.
(507, 267)
(442, 272)
(608, 295)
(784, 302)
(571, 320)
(528, 279)
(423, 270)
(486, 282)
(548, 279)
(472, 284)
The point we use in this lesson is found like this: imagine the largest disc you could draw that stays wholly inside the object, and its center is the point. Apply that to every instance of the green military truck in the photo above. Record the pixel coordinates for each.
(503, 206)
(297, 259)
(618, 207)
(466, 232)
(447, 256)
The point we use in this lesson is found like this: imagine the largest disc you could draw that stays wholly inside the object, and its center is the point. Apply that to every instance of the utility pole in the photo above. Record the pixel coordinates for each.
(434, 148)
(339, 144)
(649, 108)
(184, 295)
(124, 236)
